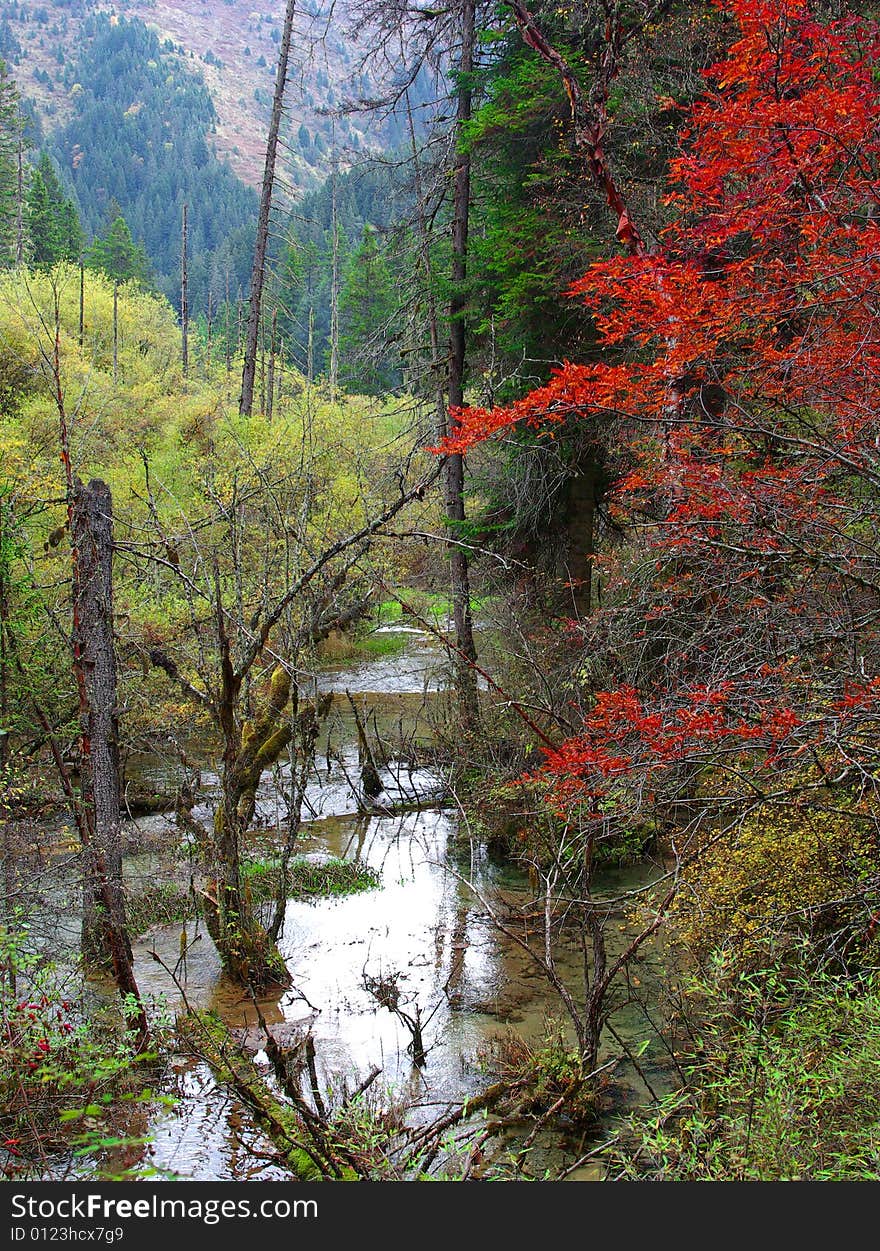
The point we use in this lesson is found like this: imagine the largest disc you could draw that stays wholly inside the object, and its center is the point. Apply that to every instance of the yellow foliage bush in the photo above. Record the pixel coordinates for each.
(755, 891)
(196, 487)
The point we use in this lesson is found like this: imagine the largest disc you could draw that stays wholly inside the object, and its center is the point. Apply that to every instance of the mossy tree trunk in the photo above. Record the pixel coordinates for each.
(248, 952)
(250, 745)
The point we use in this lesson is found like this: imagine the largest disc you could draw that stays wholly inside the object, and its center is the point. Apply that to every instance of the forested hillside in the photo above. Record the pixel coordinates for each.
(439, 594)
(138, 142)
(233, 49)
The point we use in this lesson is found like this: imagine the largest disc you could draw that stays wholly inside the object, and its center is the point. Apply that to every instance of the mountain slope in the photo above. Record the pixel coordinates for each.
(234, 48)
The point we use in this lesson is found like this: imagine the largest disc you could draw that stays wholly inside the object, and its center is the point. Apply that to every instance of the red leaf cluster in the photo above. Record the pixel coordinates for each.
(749, 403)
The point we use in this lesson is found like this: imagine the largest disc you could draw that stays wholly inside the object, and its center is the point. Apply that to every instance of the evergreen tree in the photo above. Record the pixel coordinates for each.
(375, 195)
(118, 256)
(51, 222)
(367, 317)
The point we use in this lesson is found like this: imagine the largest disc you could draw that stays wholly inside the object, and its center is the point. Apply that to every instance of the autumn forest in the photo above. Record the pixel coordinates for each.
(439, 591)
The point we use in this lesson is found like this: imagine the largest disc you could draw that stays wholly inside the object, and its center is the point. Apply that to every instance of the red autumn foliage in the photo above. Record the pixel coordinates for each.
(741, 372)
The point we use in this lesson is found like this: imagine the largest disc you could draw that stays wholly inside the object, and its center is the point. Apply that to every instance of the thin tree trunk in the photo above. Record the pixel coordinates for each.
(228, 332)
(19, 215)
(437, 372)
(465, 682)
(270, 378)
(246, 403)
(82, 302)
(9, 883)
(262, 370)
(5, 561)
(115, 332)
(9, 857)
(310, 356)
(184, 299)
(334, 285)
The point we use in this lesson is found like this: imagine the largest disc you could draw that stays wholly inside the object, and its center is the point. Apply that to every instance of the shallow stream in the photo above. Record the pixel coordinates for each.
(425, 925)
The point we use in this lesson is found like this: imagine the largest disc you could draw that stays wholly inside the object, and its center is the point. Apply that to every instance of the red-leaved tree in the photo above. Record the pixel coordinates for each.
(740, 370)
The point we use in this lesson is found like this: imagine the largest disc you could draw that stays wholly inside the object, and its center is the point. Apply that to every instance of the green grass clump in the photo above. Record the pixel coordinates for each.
(376, 646)
(167, 902)
(310, 879)
(435, 608)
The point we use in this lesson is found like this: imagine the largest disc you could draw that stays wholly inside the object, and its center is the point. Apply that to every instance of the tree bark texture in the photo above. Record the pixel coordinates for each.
(247, 951)
(465, 676)
(104, 924)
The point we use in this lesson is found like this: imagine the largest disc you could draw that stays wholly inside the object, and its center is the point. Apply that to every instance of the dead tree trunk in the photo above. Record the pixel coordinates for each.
(465, 679)
(104, 924)
(246, 403)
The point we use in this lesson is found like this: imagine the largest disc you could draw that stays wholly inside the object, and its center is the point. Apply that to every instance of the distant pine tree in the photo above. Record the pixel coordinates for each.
(367, 315)
(51, 223)
(117, 255)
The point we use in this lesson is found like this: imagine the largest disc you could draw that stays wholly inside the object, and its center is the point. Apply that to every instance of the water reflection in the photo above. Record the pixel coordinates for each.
(423, 926)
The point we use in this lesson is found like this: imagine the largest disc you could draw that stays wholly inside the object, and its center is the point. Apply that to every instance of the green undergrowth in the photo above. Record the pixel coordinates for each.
(162, 903)
(376, 646)
(366, 643)
(435, 608)
(544, 1074)
(72, 1085)
(168, 902)
(513, 821)
(341, 648)
(786, 1088)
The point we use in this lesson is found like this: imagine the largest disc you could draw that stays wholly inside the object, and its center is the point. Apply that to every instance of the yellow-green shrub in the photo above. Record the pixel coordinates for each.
(782, 874)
